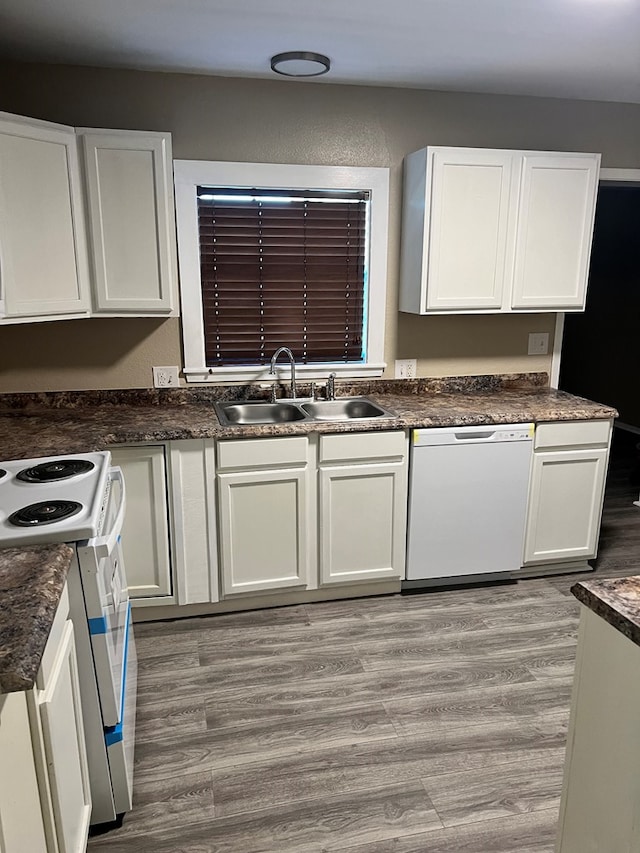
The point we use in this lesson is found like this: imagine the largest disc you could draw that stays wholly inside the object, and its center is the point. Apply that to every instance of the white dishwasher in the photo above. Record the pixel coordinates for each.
(467, 504)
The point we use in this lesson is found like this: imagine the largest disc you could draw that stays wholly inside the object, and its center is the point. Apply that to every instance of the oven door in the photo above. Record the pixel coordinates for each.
(104, 585)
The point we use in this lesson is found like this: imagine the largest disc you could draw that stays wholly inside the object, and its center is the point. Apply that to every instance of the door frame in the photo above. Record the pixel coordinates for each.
(607, 176)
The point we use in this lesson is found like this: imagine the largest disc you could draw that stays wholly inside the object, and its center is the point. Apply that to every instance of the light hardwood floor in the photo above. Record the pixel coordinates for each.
(418, 724)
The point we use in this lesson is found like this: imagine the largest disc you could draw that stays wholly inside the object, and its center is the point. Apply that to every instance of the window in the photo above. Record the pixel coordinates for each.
(274, 255)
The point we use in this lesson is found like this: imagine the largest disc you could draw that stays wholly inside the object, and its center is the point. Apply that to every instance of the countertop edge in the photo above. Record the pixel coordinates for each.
(43, 570)
(616, 600)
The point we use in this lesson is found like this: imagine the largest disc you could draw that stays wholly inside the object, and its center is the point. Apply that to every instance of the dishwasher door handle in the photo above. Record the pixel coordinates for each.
(474, 436)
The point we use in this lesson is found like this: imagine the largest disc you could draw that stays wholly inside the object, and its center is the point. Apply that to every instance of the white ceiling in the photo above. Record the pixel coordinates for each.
(560, 48)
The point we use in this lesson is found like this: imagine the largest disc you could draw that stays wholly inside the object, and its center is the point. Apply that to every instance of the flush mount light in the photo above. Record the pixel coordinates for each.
(300, 63)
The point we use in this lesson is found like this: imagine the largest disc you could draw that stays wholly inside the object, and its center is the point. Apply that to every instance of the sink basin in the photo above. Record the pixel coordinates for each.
(347, 409)
(258, 413)
(237, 412)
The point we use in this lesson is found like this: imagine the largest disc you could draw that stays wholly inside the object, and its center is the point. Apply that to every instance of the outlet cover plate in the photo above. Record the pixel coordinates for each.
(166, 377)
(405, 368)
(538, 343)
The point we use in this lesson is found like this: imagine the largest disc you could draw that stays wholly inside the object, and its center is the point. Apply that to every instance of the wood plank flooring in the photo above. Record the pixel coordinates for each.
(399, 724)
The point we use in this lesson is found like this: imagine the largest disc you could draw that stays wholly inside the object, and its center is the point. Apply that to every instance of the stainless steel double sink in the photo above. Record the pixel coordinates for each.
(239, 412)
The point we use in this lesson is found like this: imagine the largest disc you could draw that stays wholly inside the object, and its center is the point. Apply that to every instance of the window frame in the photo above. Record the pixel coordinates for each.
(189, 174)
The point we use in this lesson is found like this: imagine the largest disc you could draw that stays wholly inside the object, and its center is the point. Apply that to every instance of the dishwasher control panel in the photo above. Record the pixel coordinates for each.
(483, 434)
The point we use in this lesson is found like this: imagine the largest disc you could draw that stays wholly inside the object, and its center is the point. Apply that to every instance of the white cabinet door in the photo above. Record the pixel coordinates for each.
(132, 224)
(21, 820)
(555, 224)
(363, 513)
(469, 228)
(145, 535)
(63, 735)
(264, 529)
(488, 230)
(565, 505)
(43, 254)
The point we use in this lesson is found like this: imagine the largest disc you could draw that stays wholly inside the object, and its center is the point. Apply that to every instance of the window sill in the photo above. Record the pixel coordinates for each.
(303, 372)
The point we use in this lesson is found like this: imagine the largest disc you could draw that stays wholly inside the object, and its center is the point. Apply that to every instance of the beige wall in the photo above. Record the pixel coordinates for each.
(294, 122)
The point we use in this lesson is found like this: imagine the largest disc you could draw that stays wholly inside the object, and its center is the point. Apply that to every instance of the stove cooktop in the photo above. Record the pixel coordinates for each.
(52, 499)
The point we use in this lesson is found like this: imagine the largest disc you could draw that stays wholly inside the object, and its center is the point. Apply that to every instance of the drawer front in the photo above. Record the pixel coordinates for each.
(253, 453)
(362, 446)
(571, 433)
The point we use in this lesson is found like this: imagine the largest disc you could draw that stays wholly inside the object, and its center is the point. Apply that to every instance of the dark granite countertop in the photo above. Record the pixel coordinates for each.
(32, 425)
(31, 583)
(73, 422)
(617, 600)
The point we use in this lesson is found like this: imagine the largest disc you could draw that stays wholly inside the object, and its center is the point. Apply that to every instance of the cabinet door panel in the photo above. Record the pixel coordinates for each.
(362, 522)
(63, 734)
(145, 535)
(468, 239)
(21, 803)
(42, 245)
(565, 505)
(132, 236)
(555, 224)
(263, 530)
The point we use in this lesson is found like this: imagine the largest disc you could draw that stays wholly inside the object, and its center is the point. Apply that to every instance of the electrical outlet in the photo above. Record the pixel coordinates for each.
(406, 368)
(166, 377)
(538, 343)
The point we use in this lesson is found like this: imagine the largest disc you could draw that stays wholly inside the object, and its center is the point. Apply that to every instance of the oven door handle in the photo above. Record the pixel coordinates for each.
(105, 545)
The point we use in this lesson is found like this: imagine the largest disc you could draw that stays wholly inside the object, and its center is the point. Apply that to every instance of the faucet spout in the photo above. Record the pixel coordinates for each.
(292, 362)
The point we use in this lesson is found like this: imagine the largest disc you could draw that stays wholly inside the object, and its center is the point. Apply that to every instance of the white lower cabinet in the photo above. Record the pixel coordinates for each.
(45, 800)
(600, 805)
(145, 534)
(362, 507)
(58, 701)
(566, 491)
(300, 512)
(263, 514)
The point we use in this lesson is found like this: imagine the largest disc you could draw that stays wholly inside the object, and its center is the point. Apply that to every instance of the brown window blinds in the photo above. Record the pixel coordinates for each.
(282, 268)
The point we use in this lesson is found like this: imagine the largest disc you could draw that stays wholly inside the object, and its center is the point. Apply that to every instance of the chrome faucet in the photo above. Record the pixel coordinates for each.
(292, 362)
(331, 387)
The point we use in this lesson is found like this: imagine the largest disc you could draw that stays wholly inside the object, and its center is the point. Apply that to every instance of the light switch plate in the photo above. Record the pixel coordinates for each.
(538, 343)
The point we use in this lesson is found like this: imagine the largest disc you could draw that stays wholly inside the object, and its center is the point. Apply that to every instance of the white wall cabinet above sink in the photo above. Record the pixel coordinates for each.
(87, 238)
(490, 230)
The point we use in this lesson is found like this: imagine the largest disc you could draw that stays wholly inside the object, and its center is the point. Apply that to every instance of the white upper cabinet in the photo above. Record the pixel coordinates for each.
(496, 230)
(73, 244)
(556, 206)
(43, 253)
(130, 208)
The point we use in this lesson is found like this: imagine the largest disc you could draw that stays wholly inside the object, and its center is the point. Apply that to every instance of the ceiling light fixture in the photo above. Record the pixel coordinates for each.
(300, 63)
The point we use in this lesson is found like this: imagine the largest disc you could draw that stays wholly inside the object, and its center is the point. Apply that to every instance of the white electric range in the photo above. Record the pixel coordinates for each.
(81, 500)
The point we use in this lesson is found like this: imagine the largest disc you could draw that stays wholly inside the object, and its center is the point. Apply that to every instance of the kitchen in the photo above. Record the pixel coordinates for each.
(208, 119)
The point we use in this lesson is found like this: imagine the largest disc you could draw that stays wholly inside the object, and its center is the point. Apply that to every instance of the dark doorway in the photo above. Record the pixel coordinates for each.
(601, 347)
